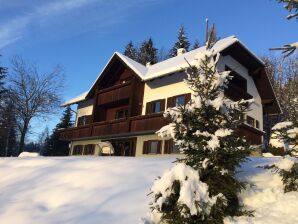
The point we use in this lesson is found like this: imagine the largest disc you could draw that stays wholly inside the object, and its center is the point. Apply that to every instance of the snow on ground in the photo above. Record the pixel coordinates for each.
(114, 190)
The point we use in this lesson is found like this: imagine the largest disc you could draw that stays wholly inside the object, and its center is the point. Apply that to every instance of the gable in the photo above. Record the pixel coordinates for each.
(116, 72)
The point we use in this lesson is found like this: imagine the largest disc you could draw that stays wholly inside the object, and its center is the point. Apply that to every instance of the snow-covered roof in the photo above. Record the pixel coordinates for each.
(76, 99)
(165, 67)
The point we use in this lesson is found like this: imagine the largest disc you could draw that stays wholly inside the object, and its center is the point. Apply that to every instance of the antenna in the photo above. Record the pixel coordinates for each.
(207, 29)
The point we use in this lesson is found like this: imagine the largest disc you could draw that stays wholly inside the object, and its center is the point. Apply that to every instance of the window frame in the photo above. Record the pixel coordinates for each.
(76, 149)
(125, 113)
(147, 147)
(90, 148)
(250, 121)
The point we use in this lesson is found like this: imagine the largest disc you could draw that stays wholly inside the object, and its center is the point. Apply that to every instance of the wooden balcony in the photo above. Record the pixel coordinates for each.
(114, 93)
(137, 124)
(140, 124)
(235, 93)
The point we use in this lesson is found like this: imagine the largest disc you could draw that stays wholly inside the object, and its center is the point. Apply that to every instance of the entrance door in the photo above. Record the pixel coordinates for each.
(124, 147)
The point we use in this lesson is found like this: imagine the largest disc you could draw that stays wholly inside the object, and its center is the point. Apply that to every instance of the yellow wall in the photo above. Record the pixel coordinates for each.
(86, 142)
(84, 108)
(163, 88)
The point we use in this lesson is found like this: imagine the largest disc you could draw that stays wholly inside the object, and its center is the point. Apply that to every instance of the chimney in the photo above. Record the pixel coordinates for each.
(180, 51)
(148, 64)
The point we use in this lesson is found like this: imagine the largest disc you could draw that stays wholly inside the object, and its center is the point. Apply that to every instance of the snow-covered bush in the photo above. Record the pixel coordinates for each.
(205, 130)
(288, 170)
(180, 191)
(285, 136)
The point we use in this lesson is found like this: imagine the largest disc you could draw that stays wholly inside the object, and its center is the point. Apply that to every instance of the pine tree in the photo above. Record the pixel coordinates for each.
(53, 145)
(205, 131)
(8, 126)
(147, 52)
(182, 42)
(196, 45)
(130, 51)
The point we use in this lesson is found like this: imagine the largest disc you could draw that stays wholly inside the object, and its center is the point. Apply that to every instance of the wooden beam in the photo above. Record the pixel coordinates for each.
(267, 101)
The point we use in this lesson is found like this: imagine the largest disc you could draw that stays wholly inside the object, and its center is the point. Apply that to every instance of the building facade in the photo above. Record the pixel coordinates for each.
(123, 109)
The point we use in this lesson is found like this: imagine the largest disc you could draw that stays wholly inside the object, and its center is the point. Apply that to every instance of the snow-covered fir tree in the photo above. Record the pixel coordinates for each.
(147, 52)
(196, 45)
(285, 137)
(130, 51)
(182, 42)
(202, 187)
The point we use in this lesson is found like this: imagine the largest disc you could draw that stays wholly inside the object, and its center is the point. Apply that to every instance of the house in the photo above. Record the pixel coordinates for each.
(124, 107)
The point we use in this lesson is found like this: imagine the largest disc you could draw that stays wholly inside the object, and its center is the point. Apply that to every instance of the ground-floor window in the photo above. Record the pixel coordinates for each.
(77, 150)
(89, 149)
(170, 147)
(152, 147)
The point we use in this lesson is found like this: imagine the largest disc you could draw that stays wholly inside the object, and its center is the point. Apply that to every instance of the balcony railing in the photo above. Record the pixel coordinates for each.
(138, 124)
(114, 93)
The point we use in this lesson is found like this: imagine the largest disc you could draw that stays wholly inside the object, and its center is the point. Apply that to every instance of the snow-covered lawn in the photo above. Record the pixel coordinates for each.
(113, 190)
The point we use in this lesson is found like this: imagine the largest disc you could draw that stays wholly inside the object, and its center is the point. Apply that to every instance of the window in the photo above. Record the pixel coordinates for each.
(83, 120)
(77, 150)
(180, 101)
(250, 121)
(122, 113)
(152, 147)
(126, 80)
(89, 149)
(257, 124)
(170, 147)
(155, 106)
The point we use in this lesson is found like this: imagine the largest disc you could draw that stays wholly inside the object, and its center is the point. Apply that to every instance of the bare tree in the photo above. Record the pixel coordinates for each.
(34, 94)
(292, 7)
(283, 74)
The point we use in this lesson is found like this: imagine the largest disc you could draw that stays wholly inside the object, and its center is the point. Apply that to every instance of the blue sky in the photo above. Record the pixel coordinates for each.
(81, 35)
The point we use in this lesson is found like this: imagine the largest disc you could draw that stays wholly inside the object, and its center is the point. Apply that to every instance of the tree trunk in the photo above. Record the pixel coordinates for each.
(23, 135)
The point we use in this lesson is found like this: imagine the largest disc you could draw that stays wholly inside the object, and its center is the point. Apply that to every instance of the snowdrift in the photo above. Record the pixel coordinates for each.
(114, 190)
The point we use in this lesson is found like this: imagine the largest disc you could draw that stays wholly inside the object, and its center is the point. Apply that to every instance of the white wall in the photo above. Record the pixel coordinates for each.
(256, 107)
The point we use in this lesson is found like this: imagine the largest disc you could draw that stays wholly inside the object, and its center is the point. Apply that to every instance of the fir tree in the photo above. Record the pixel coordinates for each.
(285, 137)
(3, 73)
(8, 126)
(53, 145)
(196, 45)
(130, 51)
(182, 42)
(205, 131)
(147, 52)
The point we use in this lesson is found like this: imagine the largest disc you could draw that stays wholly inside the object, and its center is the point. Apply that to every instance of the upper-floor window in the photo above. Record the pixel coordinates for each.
(155, 106)
(83, 120)
(122, 113)
(179, 100)
(250, 121)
